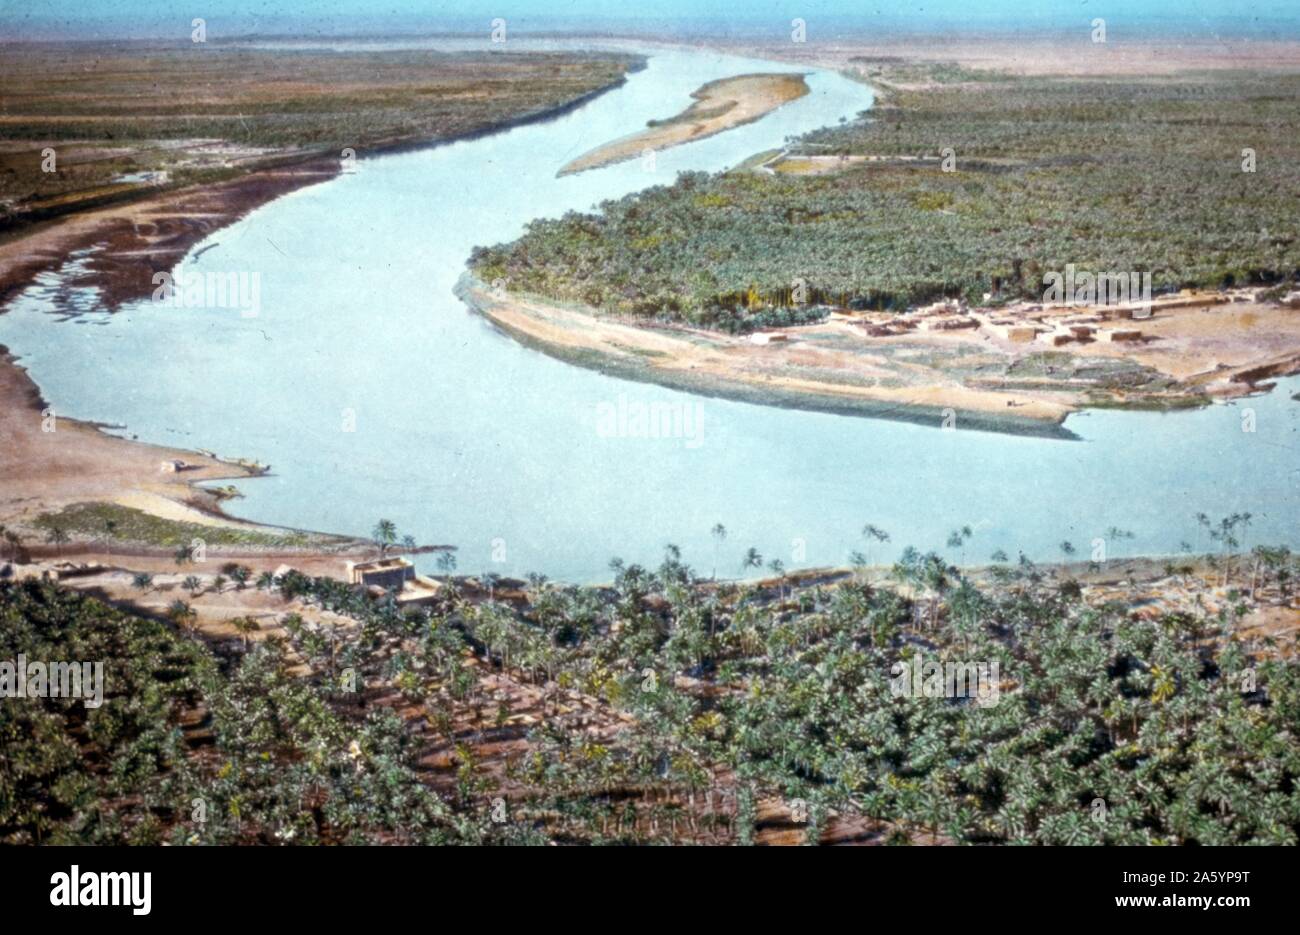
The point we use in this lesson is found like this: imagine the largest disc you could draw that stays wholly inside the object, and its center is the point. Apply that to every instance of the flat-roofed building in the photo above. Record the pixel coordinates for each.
(384, 573)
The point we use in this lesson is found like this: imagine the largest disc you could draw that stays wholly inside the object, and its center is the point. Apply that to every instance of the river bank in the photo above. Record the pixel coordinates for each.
(967, 376)
(144, 228)
(69, 480)
(63, 474)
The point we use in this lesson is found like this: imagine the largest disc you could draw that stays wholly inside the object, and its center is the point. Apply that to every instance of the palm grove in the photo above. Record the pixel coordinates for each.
(1107, 174)
(668, 707)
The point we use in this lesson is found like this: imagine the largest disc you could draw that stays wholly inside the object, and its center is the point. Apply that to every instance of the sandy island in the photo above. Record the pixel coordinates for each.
(719, 105)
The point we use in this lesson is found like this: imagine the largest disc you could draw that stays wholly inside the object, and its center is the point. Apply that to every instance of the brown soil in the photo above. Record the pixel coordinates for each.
(77, 462)
(1222, 349)
(133, 241)
(49, 461)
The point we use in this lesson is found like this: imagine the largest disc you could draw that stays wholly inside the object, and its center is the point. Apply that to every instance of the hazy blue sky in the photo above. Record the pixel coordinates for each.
(829, 16)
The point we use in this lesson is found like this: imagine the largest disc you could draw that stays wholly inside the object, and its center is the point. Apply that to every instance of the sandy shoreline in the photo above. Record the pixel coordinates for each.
(43, 472)
(718, 106)
(51, 463)
(834, 367)
(713, 364)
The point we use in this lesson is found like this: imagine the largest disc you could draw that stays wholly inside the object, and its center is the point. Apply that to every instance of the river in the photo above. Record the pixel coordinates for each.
(373, 392)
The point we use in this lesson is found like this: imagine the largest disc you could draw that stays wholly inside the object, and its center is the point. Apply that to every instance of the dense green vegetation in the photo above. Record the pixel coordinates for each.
(1149, 717)
(192, 748)
(1133, 174)
(702, 702)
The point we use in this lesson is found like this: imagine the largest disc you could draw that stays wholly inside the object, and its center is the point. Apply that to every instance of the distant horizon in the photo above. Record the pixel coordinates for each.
(1268, 21)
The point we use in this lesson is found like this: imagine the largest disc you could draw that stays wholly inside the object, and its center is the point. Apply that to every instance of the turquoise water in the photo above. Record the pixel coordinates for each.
(462, 436)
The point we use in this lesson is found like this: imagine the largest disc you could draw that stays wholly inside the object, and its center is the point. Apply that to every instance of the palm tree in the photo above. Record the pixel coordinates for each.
(928, 572)
(1225, 533)
(240, 575)
(192, 584)
(385, 535)
(1274, 561)
(1115, 534)
(719, 533)
(753, 559)
(142, 581)
(184, 554)
(246, 626)
(182, 614)
(13, 544)
(265, 581)
(777, 567)
(859, 563)
(58, 537)
(447, 564)
(957, 540)
(873, 534)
